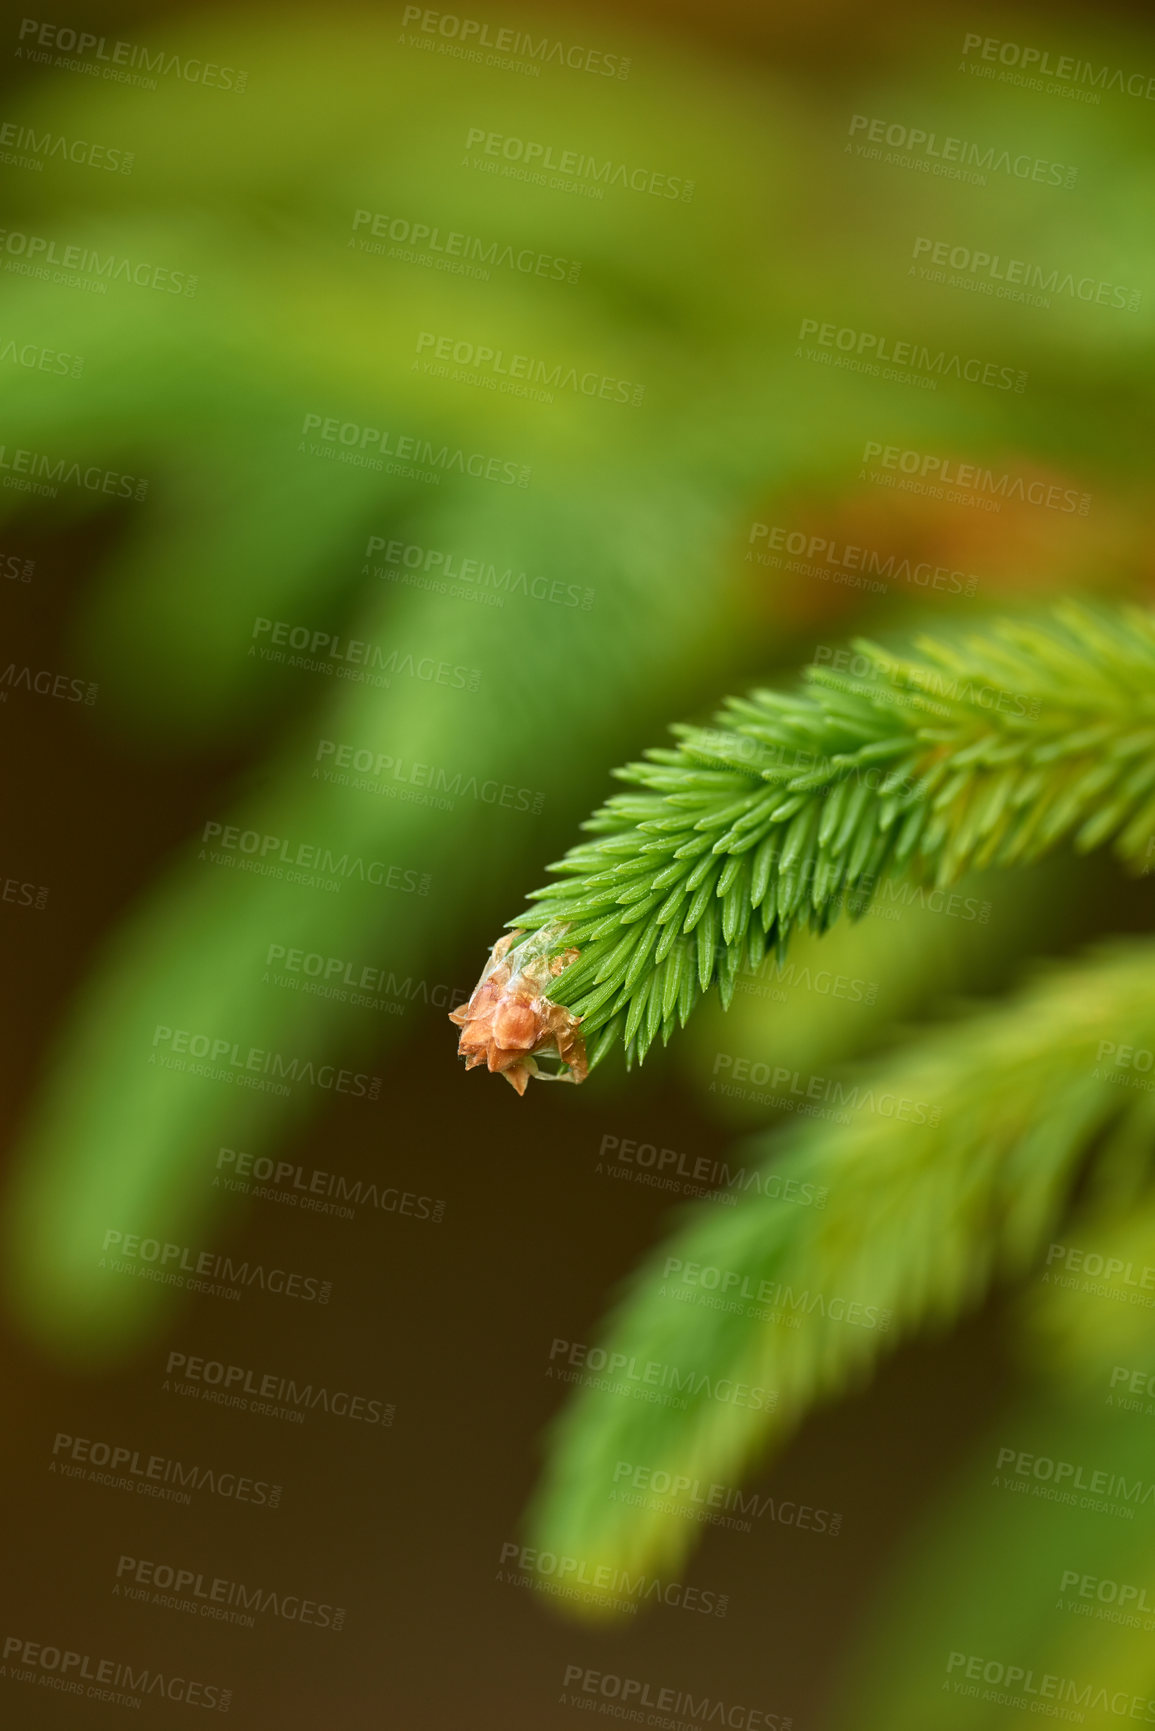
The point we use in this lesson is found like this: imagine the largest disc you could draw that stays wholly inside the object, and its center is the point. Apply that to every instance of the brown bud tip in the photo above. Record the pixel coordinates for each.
(508, 1018)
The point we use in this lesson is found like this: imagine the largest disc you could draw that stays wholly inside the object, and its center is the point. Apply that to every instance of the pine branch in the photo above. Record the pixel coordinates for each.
(792, 809)
(750, 1314)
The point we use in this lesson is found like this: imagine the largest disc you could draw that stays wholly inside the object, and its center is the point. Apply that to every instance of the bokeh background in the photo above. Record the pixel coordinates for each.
(243, 407)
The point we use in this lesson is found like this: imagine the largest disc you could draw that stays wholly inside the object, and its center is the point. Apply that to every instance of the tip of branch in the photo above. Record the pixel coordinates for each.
(509, 1023)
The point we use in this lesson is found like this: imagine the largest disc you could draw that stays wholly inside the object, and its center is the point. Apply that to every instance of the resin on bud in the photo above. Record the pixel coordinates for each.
(508, 1024)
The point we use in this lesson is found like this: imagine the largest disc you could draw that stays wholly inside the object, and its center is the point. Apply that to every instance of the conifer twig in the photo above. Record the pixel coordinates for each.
(748, 1315)
(792, 808)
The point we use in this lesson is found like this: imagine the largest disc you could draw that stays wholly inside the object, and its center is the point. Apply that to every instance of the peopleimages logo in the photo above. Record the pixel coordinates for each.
(267, 855)
(1014, 1685)
(225, 1056)
(367, 447)
(735, 1288)
(471, 34)
(251, 1390)
(1110, 1268)
(908, 355)
(112, 56)
(38, 251)
(45, 683)
(43, 145)
(697, 1500)
(35, 357)
(671, 1165)
(539, 158)
(261, 1176)
(826, 1088)
(112, 1680)
(216, 1596)
(945, 473)
(956, 158)
(632, 1693)
(454, 251)
(647, 1378)
(353, 982)
(182, 1265)
(44, 472)
(412, 563)
(520, 374)
(1067, 1477)
(1017, 271)
(1106, 1592)
(154, 1475)
(574, 1577)
(844, 562)
(1064, 68)
(328, 649)
(375, 771)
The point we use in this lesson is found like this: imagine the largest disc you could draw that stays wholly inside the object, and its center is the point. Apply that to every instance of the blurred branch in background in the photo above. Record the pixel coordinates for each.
(935, 1176)
(1031, 1582)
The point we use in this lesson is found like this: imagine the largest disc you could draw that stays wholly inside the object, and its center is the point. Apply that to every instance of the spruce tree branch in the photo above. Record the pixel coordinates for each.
(957, 1163)
(792, 808)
